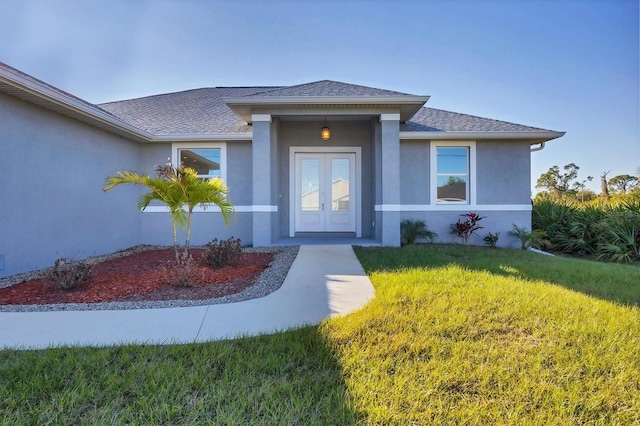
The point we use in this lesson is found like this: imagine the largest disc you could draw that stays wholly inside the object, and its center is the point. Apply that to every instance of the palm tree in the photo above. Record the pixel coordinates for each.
(204, 193)
(177, 187)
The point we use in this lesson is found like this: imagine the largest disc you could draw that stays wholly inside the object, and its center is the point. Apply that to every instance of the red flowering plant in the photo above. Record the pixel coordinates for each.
(465, 228)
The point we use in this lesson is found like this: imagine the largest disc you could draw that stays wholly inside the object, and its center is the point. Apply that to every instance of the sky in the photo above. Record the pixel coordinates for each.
(565, 65)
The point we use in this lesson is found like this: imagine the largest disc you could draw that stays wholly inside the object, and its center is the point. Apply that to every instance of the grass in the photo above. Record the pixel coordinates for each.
(455, 335)
(289, 378)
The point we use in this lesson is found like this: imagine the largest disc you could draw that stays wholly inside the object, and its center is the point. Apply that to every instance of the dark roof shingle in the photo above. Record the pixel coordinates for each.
(438, 120)
(197, 111)
(328, 88)
(203, 111)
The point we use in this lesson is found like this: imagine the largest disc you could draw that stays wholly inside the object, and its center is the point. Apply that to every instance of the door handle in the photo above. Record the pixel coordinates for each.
(323, 206)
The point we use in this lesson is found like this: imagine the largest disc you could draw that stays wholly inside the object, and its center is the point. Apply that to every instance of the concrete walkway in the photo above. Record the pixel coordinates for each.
(324, 281)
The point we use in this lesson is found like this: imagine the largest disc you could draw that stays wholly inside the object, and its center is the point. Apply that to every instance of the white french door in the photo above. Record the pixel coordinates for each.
(325, 192)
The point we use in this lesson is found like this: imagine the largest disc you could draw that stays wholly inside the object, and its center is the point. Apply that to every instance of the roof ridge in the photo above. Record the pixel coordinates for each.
(336, 82)
(248, 87)
(366, 87)
(274, 88)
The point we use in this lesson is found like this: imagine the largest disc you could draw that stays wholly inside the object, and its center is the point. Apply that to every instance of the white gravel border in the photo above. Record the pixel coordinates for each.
(269, 281)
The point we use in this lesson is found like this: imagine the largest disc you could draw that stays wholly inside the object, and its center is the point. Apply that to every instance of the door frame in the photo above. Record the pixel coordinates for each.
(293, 150)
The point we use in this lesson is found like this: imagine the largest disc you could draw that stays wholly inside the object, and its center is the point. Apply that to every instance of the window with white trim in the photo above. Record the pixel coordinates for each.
(207, 159)
(452, 173)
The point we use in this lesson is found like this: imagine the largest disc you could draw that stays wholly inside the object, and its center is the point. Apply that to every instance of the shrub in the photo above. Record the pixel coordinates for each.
(68, 274)
(491, 239)
(181, 271)
(535, 238)
(223, 253)
(412, 230)
(619, 233)
(464, 229)
(610, 231)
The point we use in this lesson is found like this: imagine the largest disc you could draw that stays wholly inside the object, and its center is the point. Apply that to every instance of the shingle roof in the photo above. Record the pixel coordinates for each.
(328, 88)
(203, 111)
(434, 120)
(191, 112)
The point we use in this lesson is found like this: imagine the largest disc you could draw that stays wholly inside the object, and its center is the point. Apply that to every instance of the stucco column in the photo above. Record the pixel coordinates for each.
(262, 208)
(390, 170)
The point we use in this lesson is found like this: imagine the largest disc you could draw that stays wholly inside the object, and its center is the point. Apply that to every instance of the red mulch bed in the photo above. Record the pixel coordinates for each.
(142, 277)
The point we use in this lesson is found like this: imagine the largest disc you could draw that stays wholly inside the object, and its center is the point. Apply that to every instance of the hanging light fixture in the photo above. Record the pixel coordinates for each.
(325, 133)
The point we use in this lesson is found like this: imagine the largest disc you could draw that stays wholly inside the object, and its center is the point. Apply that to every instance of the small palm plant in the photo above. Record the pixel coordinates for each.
(177, 187)
(412, 230)
(535, 238)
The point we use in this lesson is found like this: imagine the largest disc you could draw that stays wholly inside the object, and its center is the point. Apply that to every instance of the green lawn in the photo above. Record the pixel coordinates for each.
(455, 335)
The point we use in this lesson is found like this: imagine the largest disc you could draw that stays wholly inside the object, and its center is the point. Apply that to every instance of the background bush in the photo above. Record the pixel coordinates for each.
(609, 231)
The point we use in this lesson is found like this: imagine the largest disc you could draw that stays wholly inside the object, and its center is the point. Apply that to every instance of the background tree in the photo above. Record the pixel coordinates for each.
(604, 188)
(622, 184)
(587, 195)
(580, 188)
(556, 183)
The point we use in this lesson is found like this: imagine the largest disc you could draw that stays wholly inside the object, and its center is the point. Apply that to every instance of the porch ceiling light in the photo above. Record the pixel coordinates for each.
(325, 133)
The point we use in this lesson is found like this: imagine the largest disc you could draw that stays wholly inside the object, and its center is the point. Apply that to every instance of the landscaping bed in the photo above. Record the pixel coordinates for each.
(131, 278)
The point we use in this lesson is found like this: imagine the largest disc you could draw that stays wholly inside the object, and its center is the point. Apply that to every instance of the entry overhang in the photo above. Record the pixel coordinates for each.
(407, 105)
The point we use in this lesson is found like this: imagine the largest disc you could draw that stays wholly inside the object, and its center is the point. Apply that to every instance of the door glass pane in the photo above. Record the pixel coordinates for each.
(310, 188)
(340, 184)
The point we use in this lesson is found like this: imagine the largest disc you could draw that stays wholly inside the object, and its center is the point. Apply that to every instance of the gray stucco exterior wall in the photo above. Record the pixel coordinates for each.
(51, 199)
(414, 172)
(239, 173)
(503, 172)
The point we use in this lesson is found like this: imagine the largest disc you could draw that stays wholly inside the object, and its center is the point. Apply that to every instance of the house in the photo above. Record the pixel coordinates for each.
(388, 158)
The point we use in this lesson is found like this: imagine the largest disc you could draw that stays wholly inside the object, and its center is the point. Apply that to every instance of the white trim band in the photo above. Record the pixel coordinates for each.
(264, 208)
(391, 117)
(451, 207)
(261, 117)
(216, 209)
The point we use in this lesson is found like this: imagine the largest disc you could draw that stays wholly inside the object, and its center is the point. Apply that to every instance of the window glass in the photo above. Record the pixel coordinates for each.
(205, 161)
(453, 160)
(452, 174)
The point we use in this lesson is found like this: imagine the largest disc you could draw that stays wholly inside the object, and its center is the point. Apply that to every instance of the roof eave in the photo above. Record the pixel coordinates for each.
(324, 99)
(35, 91)
(203, 137)
(533, 136)
(243, 106)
